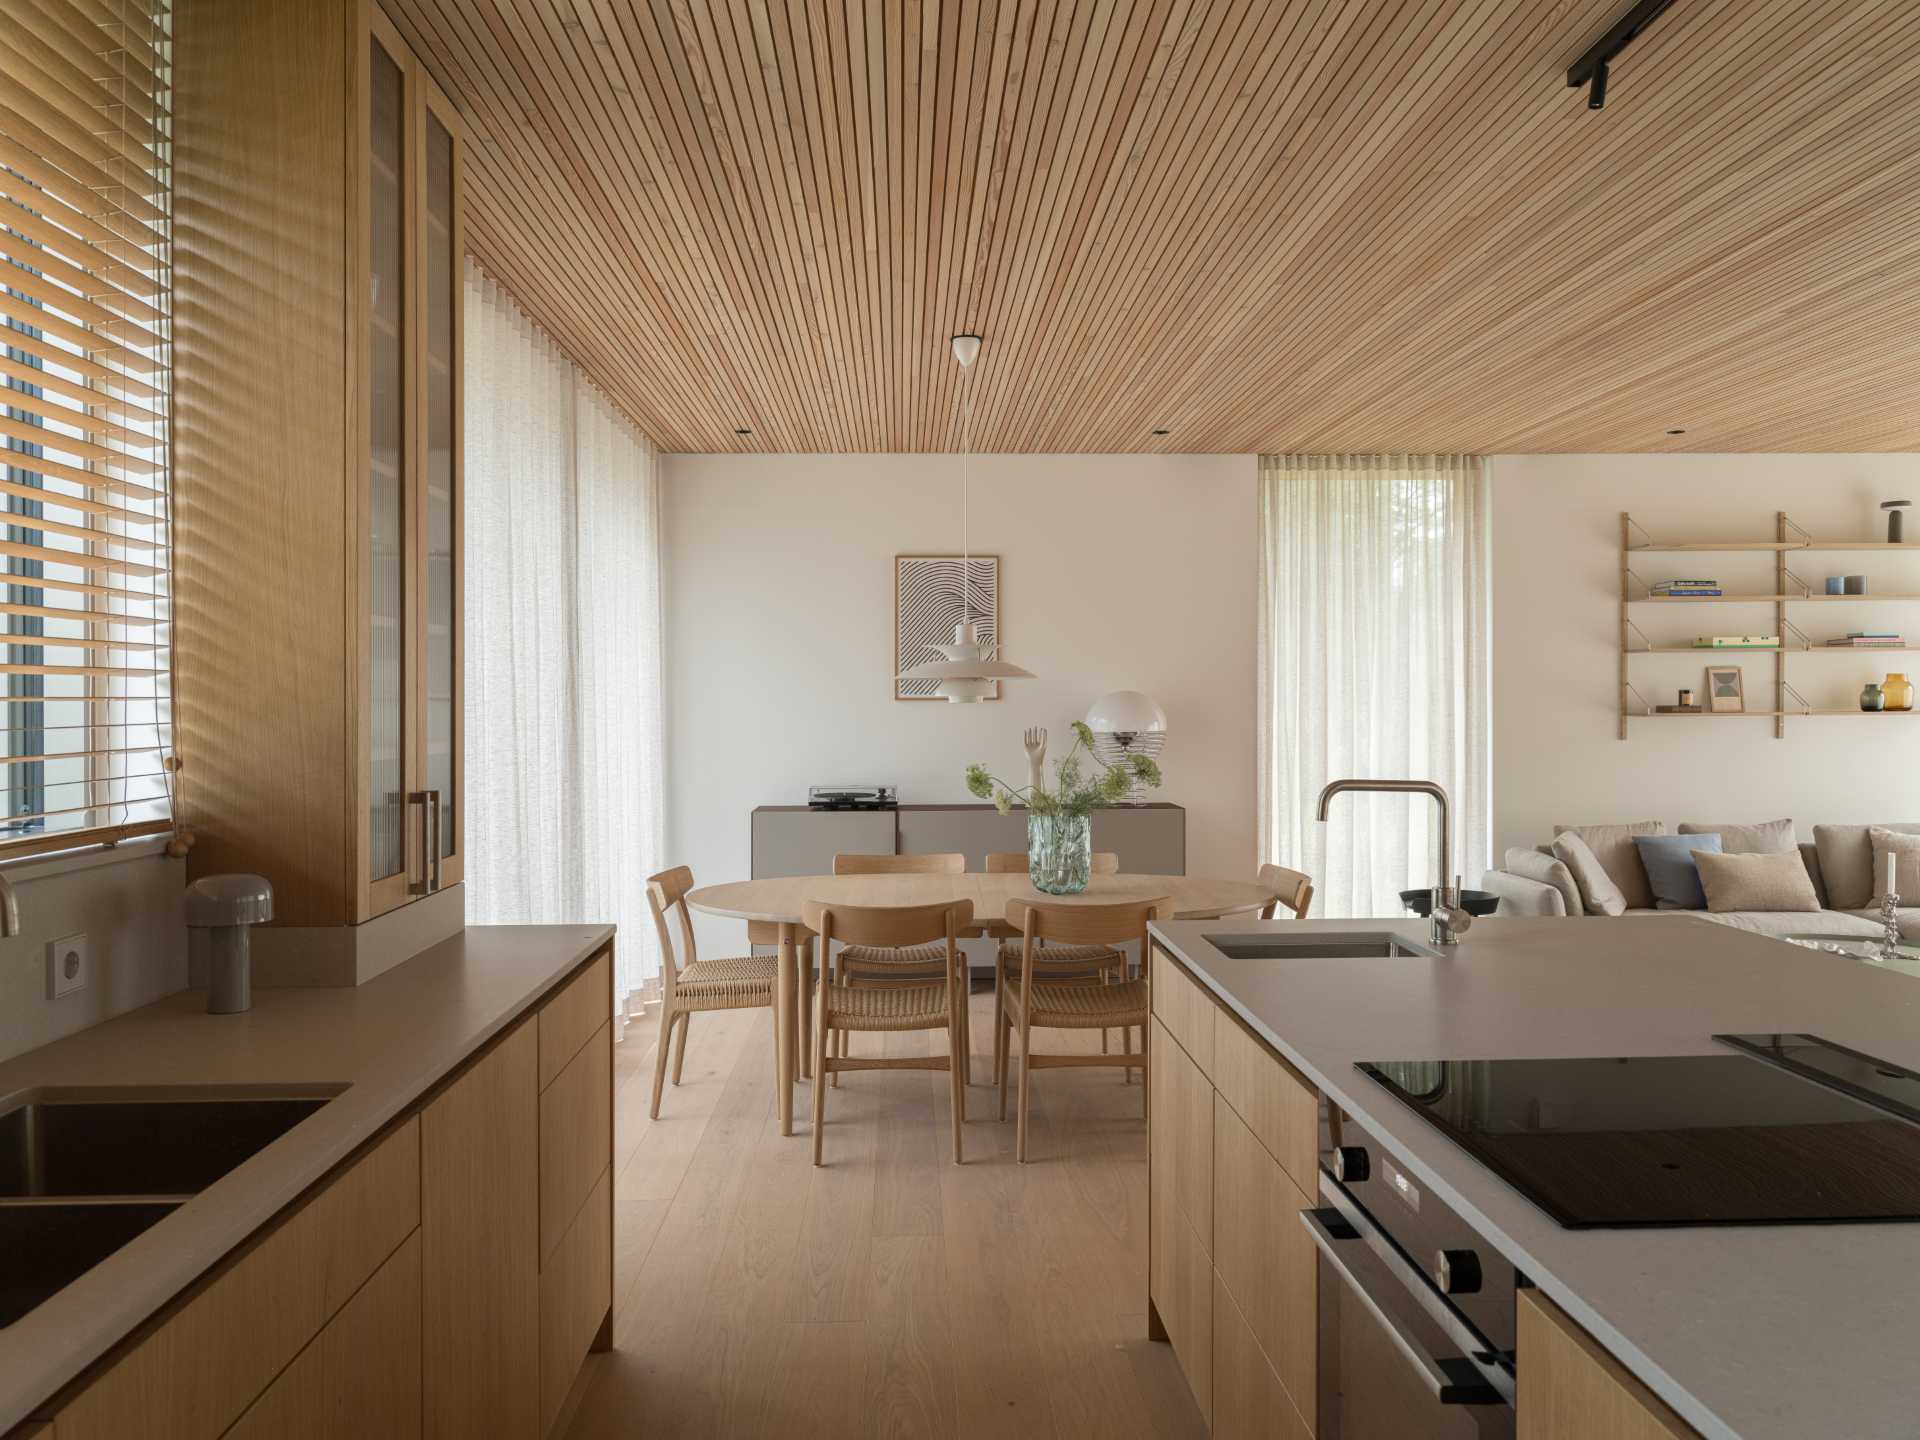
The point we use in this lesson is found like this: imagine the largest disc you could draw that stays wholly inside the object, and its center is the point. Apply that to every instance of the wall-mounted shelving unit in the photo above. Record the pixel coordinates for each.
(1788, 589)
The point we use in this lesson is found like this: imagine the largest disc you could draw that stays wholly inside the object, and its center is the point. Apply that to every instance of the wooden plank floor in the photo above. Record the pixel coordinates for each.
(891, 1293)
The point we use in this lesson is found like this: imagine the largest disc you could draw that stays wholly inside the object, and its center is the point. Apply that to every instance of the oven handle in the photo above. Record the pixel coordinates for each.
(1453, 1381)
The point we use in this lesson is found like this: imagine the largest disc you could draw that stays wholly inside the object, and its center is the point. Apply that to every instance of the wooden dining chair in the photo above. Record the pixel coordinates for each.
(858, 964)
(1033, 1003)
(1290, 888)
(1055, 962)
(742, 982)
(908, 1005)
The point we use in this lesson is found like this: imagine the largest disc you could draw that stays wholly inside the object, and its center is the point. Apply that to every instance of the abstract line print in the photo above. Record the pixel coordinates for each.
(928, 603)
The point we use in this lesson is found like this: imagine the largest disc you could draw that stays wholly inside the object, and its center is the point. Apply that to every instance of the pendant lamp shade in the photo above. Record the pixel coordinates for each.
(967, 674)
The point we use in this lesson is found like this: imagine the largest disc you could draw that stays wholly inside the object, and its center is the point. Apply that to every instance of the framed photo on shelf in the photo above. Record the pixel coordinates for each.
(1725, 692)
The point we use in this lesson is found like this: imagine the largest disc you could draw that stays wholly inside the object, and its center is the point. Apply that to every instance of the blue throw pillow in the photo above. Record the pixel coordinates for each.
(1671, 872)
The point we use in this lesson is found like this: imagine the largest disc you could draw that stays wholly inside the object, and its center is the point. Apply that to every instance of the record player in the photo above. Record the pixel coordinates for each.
(851, 797)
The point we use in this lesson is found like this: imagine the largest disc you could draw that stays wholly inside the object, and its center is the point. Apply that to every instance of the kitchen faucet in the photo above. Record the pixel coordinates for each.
(1450, 922)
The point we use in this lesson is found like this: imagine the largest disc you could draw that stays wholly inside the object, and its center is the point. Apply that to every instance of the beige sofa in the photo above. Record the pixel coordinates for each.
(1839, 861)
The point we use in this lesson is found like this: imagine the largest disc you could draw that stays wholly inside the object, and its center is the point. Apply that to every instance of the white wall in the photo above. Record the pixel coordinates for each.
(1556, 537)
(1117, 572)
(129, 904)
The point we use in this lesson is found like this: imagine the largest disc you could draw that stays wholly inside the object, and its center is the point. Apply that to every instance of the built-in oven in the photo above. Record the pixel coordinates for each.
(1417, 1313)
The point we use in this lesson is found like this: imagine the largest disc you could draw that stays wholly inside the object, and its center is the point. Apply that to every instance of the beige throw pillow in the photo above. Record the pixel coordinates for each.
(1776, 882)
(1598, 894)
(1612, 846)
(1846, 861)
(1906, 877)
(1767, 838)
(1548, 870)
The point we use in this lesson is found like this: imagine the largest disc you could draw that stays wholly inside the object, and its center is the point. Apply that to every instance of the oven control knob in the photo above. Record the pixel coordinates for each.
(1457, 1272)
(1350, 1163)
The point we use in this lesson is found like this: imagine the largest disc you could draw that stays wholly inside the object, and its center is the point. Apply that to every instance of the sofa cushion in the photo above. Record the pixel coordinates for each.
(1846, 861)
(1612, 846)
(1781, 923)
(1906, 850)
(1599, 895)
(1810, 853)
(1756, 882)
(1907, 919)
(1671, 871)
(1767, 838)
(1548, 870)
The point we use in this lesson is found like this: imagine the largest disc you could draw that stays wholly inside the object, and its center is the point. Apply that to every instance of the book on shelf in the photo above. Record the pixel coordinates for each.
(1867, 642)
(1678, 709)
(1736, 642)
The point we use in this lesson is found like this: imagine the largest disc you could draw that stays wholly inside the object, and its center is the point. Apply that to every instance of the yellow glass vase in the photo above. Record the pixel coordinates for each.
(1898, 690)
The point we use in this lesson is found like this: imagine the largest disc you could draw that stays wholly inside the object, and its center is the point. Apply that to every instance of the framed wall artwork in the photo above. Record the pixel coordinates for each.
(1725, 693)
(931, 595)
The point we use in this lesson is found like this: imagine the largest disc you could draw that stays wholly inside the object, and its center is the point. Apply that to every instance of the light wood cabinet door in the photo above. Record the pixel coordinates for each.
(361, 1375)
(1181, 1280)
(576, 1136)
(194, 1375)
(1265, 1257)
(574, 1012)
(1249, 1402)
(1277, 1103)
(1181, 1133)
(1185, 1009)
(480, 1236)
(576, 1295)
(1572, 1389)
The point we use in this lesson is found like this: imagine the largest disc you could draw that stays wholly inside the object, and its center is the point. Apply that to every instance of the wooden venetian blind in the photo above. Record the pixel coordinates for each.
(84, 232)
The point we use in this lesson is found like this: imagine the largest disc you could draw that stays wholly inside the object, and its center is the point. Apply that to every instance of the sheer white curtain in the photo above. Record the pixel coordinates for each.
(565, 778)
(1373, 662)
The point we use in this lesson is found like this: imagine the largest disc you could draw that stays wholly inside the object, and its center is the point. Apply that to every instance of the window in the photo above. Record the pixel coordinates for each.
(85, 305)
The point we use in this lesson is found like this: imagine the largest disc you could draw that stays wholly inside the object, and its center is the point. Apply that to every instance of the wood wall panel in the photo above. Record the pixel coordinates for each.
(1261, 226)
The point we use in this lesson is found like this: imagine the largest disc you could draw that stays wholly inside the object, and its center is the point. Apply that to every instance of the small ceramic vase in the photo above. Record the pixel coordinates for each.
(1871, 698)
(1898, 690)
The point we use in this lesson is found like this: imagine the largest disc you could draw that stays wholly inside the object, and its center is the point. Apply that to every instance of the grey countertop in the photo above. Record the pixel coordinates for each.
(1750, 1333)
(389, 1041)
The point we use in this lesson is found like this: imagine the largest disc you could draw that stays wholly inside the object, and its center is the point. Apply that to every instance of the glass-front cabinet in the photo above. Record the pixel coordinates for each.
(410, 576)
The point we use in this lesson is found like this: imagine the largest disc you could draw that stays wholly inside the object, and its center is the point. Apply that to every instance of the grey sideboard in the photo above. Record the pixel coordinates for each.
(794, 840)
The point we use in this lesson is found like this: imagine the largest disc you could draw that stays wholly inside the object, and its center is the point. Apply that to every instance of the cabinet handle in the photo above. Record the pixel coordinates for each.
(429, 862)
(433, 852)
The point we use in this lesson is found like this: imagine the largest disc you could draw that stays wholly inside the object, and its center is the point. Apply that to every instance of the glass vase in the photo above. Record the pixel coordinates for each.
(1059, 853)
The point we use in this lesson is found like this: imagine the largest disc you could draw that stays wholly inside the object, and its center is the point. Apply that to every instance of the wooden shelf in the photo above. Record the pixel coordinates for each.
(1709, 650)
(1756, 599)
(1718, 546)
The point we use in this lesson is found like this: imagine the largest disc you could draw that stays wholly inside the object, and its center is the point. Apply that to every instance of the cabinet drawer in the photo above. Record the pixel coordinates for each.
(194, 1375)
(1180, 1278)
(1181, 1131)
(573, 1013)
(1264, 1256)
(576, 1135)
(1273, 1098)
(1572, 1389)
(576, 1291)
(361, 1375)
(1184, 1008)
(1249, 1402)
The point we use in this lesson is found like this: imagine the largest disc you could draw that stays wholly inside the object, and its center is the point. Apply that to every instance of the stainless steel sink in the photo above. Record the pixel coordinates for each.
(49, 1246)
(1340, 945)
(84, 1170)
(145, 1146)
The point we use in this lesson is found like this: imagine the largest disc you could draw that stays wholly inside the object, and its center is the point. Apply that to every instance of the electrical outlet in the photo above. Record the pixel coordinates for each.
(68, 967)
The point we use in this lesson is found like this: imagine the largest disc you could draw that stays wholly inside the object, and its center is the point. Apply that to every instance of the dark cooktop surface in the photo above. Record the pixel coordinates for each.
(1812, 1133)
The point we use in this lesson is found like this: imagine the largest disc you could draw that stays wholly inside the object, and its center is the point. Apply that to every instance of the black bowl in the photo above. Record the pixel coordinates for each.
(1474, 902)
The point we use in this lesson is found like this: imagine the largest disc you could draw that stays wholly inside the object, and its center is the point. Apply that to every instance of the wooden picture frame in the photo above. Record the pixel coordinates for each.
(1726, 690)
(928, 601)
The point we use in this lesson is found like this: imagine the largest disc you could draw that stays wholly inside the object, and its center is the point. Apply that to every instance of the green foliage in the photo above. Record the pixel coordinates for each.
(1074, 791)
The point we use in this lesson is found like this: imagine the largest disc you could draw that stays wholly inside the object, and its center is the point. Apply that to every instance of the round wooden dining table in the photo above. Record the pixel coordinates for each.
(779, 903)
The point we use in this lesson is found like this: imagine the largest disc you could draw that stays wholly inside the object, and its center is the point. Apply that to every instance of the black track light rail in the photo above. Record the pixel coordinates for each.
(1591, 68)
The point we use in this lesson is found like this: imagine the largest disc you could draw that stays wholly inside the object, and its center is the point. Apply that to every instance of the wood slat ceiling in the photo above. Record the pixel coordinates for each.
(1305, 225)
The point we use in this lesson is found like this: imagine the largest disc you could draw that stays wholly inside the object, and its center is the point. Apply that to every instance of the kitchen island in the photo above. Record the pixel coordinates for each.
(436, 1236)
(1746, 1332)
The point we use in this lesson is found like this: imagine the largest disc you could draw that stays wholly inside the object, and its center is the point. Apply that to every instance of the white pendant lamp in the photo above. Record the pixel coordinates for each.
(967, 675)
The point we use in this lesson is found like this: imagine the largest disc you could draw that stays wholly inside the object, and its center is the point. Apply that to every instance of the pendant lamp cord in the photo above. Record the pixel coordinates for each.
(966, 441)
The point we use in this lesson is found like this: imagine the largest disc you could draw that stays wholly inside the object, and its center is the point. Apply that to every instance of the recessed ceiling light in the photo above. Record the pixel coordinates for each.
(1163, 432)
(743, 432)
(1676, 432)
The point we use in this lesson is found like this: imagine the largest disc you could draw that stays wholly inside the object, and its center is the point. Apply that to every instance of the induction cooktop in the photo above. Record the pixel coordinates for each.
(1787, 1129)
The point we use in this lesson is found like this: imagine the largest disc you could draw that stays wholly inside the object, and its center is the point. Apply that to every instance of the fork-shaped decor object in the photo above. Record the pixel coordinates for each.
(1035, 740)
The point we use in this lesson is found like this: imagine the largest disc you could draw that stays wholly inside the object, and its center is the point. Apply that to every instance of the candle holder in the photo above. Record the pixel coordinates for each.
(1890, 926)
